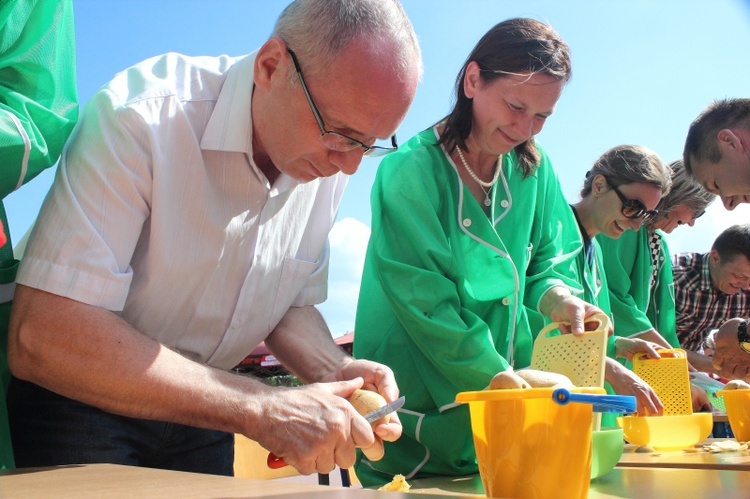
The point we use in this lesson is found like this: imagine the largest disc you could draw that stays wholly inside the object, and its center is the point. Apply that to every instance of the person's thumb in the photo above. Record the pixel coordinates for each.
(346, 388)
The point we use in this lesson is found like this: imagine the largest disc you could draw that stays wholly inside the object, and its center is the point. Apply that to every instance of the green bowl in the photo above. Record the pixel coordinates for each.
(607, 450)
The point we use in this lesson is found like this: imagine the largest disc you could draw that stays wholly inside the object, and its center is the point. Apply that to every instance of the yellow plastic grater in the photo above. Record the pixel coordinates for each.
(580, 358)
(669, 378)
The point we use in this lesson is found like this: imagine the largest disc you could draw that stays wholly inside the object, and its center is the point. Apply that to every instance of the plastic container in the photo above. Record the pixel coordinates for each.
(607, 450)
(669, 378)
(529, 446)
(667, 432)
(737, 403)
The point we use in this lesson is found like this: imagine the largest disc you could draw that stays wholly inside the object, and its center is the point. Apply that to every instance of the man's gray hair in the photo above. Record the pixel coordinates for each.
(685, 190)
(318, 30)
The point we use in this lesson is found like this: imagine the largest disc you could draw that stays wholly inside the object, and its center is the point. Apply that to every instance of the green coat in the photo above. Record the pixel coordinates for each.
(636, 308)
(443, 293)
(38, 109)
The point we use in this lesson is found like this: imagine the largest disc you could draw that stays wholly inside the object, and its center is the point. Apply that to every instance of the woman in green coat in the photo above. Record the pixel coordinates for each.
(639, 270)
(469, 225)
(622, 189)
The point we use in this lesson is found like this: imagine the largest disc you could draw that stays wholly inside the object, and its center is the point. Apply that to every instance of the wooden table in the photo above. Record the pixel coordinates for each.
(622, 482)
(115, 481)
(738, 461)
(96, 481)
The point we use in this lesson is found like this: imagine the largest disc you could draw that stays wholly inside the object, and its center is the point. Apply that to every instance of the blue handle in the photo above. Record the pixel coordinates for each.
(601, 403)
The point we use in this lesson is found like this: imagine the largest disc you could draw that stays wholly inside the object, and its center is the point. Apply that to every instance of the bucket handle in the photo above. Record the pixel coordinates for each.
(601, 403)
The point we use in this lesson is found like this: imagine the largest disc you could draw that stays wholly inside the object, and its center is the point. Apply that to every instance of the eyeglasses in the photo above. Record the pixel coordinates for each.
(696, 217)
(632, 208)
(332, 139)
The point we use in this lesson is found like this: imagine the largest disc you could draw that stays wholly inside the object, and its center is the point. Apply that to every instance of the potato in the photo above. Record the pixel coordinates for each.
(365, 401)
(398, 484)
(543, 379)
(507, 380)
(737, 384)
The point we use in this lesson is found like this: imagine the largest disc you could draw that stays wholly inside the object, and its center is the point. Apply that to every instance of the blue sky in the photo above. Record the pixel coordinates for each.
(642, 71)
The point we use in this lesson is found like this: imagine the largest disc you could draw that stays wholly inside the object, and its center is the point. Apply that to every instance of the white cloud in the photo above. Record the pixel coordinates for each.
(348, 240)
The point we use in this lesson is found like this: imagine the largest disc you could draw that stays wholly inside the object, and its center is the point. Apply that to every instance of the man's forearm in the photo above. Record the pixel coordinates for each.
(303, 343)
(93, 356)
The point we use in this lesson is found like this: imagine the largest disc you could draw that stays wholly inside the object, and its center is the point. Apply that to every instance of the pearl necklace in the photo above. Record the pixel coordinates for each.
(485, 186)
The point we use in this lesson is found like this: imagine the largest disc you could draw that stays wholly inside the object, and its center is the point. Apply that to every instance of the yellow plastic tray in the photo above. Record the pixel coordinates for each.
(579, 358)
(668, 377)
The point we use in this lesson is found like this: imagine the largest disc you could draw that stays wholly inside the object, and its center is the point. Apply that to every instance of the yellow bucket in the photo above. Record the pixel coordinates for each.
(737, 403)
(529, 446)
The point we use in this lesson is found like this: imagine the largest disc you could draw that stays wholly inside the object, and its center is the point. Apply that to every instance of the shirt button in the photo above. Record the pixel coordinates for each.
(467, 222)
(504, 203)
(505, 301)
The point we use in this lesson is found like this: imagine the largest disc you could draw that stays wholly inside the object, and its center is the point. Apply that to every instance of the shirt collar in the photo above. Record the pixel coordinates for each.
(230, 127)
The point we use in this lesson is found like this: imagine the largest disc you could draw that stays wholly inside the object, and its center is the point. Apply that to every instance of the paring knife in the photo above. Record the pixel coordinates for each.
(275, 462)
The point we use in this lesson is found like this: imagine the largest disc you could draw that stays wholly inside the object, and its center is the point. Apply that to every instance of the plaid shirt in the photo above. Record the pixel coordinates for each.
(699, 306)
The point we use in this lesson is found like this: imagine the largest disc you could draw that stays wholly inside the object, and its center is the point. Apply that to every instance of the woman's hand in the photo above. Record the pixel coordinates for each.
(561, 306)
(626, 348)
(626, 382)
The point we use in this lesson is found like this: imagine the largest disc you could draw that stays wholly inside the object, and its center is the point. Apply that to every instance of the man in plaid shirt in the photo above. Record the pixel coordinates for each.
(711, 288)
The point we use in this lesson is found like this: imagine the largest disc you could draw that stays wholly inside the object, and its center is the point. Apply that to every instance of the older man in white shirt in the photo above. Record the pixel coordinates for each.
(188, 222)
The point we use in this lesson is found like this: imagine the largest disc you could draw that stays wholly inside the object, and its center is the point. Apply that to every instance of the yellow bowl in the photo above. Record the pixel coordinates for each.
(606, 450)
(737, 403)
(667, 432)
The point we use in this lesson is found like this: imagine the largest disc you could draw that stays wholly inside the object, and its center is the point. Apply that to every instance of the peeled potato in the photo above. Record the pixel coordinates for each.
(737, 384)
(543, 379)
(398, 484)
(365, 401)
(507, 380)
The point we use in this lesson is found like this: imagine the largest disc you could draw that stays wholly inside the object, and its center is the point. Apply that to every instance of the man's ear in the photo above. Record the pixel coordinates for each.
(269, 62)
(714, 257)
(730, 140)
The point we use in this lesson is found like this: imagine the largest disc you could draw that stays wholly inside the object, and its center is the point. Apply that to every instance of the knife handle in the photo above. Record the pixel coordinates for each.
(274, 462)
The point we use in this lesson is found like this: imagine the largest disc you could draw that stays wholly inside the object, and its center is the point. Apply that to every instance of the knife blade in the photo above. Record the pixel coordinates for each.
(373, 416)
(275, 462)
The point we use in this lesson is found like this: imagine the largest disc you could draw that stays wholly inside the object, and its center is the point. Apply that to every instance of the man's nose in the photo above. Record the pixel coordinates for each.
(347, 161)
(729, 202)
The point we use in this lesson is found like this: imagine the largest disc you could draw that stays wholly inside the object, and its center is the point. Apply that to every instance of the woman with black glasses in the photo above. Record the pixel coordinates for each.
(639, 271)
(621, 190)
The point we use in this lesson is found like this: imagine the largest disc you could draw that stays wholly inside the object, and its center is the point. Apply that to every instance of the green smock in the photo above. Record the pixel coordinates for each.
(637, 306)
(443, 293)
(38, 109)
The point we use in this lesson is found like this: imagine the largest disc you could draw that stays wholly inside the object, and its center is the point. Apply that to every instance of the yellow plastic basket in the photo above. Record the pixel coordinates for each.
(669, 378)
(580, 358)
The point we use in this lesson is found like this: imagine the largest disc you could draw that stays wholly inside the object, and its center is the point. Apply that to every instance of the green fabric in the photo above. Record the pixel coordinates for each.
(38, 109)
(443, 293)
(636, 307)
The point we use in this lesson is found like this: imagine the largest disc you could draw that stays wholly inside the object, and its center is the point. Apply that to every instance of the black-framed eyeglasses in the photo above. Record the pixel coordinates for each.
(333, 140)
(632, 208)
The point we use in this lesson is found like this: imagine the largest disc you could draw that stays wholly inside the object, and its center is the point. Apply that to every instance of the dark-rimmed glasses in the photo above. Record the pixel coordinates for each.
(632, 208)
(333, 140)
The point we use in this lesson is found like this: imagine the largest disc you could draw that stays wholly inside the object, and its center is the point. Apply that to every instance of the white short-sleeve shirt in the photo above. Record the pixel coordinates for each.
(158, 213)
